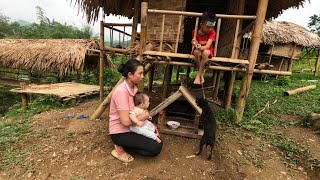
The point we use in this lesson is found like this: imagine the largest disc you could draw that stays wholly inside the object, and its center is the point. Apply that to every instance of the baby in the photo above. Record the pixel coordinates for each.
(145, 128)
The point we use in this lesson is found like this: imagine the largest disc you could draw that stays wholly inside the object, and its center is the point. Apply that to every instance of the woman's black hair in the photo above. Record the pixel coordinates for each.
(130, 66)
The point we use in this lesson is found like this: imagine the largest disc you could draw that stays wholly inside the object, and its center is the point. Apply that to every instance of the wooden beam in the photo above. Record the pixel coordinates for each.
(162, 31)
(316, 68)
(135, 20)
(253, 52)
(178, 34)
(144, 12)
(235, 39)
(232, 80)
(189, 56)
(101, 62)
(217, 38)
(165, 103)
(303, 89)
(184, 13)
(117, 24)
(190, 99)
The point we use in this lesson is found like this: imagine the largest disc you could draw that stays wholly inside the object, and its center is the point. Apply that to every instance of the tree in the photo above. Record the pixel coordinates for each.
(4, 26)
(314, 23)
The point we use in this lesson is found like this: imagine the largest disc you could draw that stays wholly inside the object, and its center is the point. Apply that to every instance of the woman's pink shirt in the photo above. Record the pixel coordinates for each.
(122, 99)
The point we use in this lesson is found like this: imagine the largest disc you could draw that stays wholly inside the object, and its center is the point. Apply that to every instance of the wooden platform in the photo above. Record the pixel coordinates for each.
(63, 90)
(67, 90)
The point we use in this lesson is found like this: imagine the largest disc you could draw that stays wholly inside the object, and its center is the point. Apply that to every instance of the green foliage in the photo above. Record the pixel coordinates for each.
(40, 104)
(45, 29)
(314, 23)
(282, 81)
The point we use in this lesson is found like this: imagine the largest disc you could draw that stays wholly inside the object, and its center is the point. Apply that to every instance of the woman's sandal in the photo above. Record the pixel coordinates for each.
(125, 157)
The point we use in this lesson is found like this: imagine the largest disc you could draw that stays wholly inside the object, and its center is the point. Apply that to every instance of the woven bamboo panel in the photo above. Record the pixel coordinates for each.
(63, 90)
(171, 21)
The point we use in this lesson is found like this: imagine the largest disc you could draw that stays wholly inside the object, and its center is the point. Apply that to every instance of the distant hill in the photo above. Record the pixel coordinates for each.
(23, 23)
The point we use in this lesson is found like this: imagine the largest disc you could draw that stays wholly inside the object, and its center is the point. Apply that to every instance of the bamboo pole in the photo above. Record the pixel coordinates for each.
(291, 57)
(216, 86)
(111, 36)
(117, 24)
(144, 11)
(217, 37)
(101, 75)
(303, 89)
(253, 52)
(118, 30)
(235, 39)
(280, 67)
(195, 32)
(316, 68)
(124, 29)
(230, 90)
(134, 25)
(151, 75)
(162, 31)
(178, 34)
(184, 13)
(167, 80)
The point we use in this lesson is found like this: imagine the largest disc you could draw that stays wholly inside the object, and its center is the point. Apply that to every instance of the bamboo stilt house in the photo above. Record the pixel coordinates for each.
(46, 55)
(281, 42)
(169, 22)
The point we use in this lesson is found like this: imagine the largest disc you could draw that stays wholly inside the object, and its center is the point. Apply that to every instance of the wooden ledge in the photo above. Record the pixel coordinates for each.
(189, 56)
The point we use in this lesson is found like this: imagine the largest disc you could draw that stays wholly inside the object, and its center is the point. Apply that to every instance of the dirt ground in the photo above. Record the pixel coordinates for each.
(80, 149)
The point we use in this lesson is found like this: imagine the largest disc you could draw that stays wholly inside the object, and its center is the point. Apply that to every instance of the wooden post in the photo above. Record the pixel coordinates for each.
(101, 62)
(162, 31)
(253, 52)
(216, 86)
(24, 97)
(228, 100)
(280, 66)
(178, 35)
(111, 36)
(316, 68)
(217, 37)
(151, 75)
(188, 75)
(143, 34)
(134, 25)
(166, 82)
(290, 60)
(235, 39)
(124, 29)
(178, 73)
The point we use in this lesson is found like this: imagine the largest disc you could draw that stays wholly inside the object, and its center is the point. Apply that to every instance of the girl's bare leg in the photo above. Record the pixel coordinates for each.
(202, 64)
(197, 80)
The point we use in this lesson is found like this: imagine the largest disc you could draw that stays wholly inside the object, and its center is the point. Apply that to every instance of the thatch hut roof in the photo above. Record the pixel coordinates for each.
(45, 55)
(91, 8)
(281, 32)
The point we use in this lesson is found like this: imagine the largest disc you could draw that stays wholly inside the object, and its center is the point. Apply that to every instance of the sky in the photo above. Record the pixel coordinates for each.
(64, 11)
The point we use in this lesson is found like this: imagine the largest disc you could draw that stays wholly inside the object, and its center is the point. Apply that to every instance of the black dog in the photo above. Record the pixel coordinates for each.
(209, 126)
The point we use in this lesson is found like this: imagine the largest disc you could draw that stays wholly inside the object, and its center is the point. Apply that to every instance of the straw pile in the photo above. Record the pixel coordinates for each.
(45, 55)
(280, 32)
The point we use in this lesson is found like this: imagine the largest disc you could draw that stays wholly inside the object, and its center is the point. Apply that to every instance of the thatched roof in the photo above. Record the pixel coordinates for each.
(45, 55)
(91, 8)
(281, 32)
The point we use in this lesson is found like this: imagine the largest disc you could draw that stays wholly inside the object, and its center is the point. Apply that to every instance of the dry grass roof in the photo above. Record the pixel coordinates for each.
(281, 32)
(91, 8)
(45, 55)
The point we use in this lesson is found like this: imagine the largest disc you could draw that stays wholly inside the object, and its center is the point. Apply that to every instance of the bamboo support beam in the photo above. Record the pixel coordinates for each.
(253, 52)
(144, 11)
(101, 62)
(178, 34)
(111, 36)
(235, 39)
(117, 24)
(291, 57)
(217, 38)
(189, 56)
(216, 86)
(134, 25)
(120, 31)
(195, 32)
(190, 99)
(165, 103)
(162, 31)
(303, 89)
(184, 13)
(227, 104)
(316, 68)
